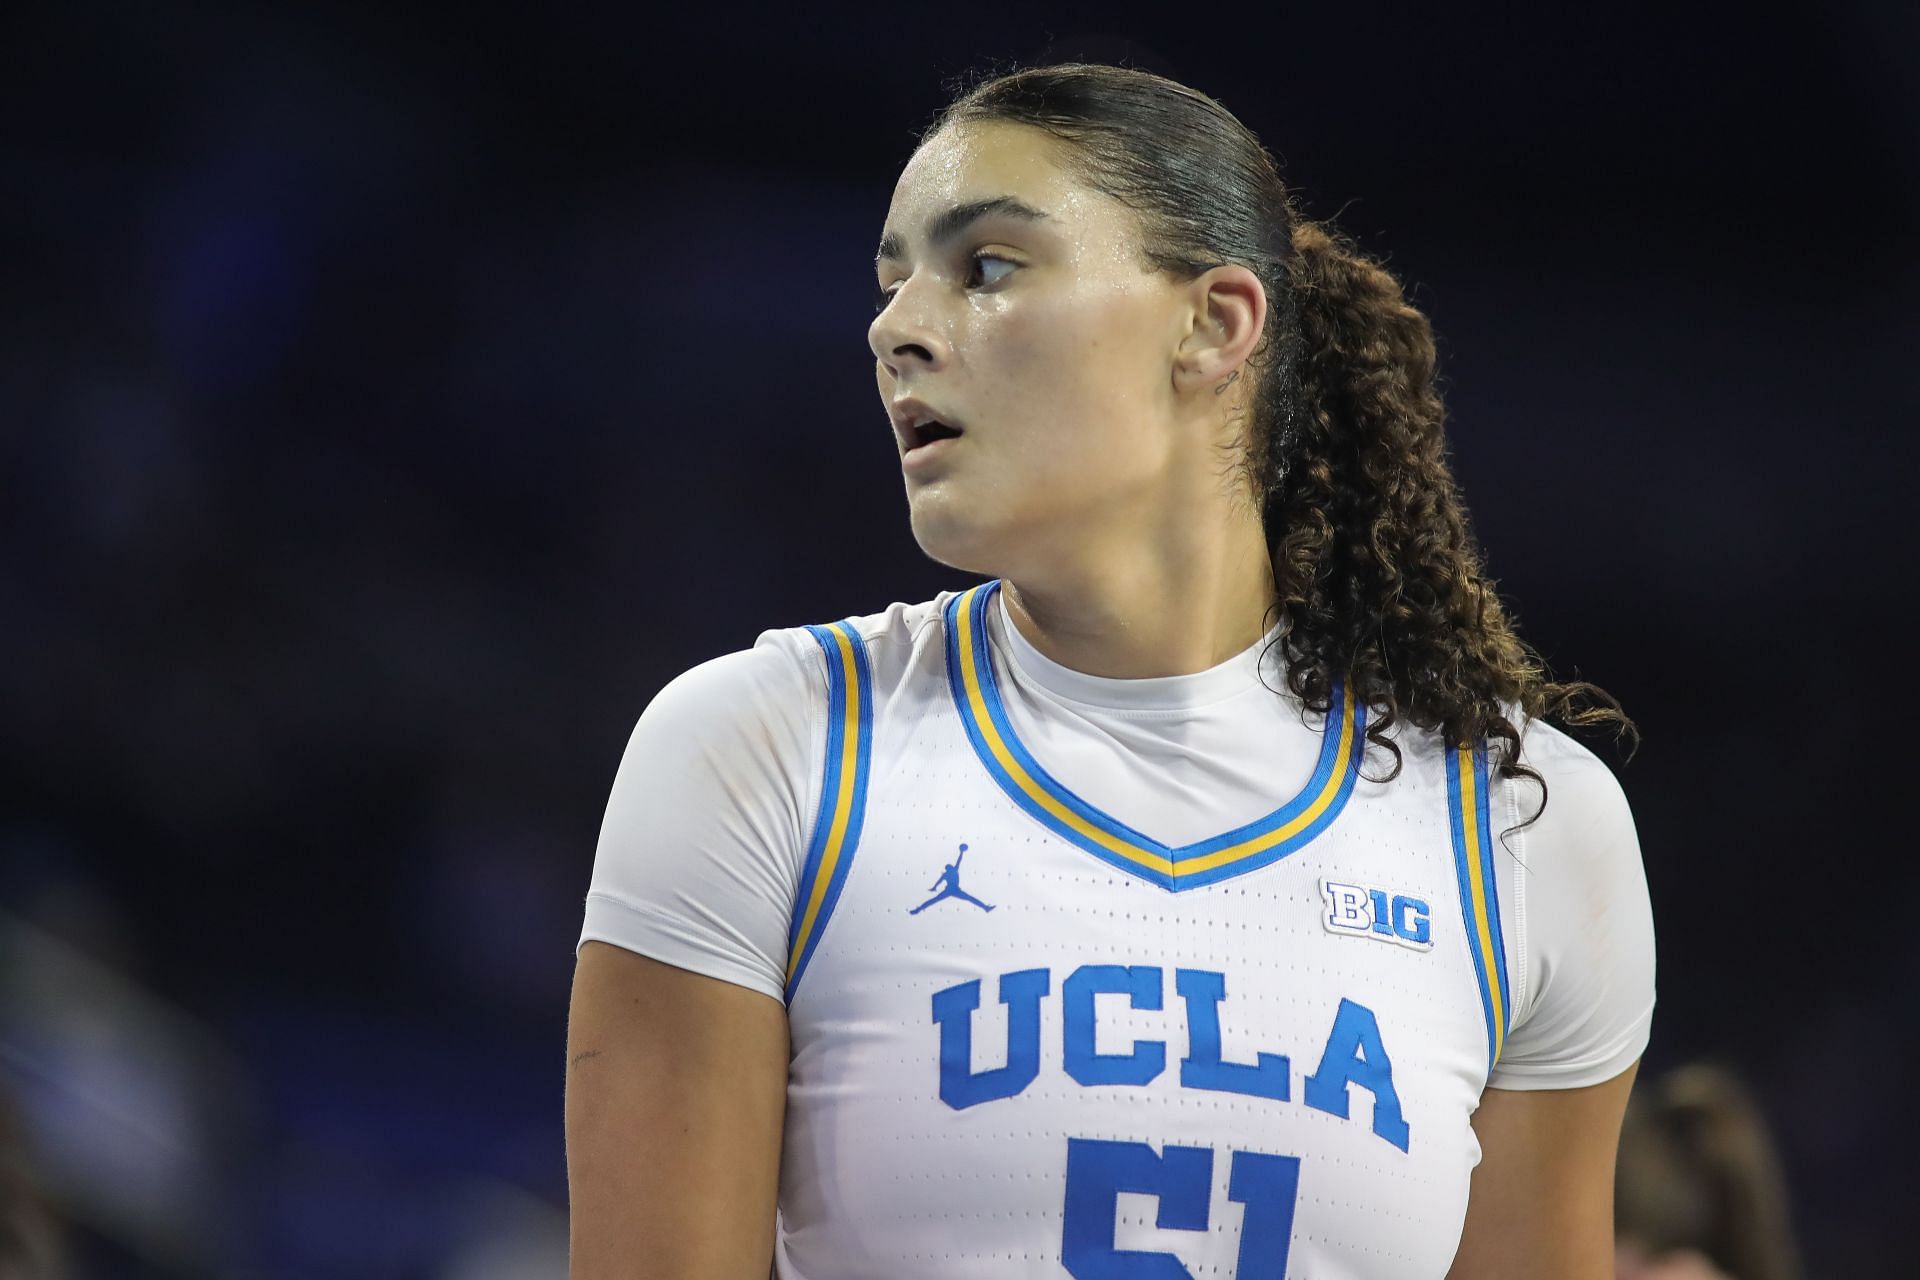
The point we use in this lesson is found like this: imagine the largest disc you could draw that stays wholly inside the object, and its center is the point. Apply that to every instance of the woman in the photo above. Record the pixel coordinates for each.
(1698, 1193)
(1054, 927)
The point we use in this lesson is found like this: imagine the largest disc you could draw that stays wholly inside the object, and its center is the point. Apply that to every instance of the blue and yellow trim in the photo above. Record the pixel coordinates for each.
(1473, 859)
(843, 793)
(976, 693)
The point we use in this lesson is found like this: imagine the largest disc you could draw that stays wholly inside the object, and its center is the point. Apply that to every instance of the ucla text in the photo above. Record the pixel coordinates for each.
(1353, 1053)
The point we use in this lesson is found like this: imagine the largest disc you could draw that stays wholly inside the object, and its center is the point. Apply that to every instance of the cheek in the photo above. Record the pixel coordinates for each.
(1076, 380)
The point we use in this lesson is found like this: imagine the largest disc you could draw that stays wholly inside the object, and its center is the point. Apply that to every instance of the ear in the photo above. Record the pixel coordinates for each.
(1226, 313)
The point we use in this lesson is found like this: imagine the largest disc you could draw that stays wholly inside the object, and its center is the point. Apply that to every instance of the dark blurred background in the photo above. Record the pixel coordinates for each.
(391, 401)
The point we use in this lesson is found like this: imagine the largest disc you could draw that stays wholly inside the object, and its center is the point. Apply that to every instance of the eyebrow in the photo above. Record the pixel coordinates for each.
(949, 223)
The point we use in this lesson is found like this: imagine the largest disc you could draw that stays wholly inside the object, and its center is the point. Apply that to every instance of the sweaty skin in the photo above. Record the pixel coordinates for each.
(1092, 473)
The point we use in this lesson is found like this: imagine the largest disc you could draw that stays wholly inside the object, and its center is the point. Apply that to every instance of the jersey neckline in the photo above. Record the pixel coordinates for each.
(976, 695)
(1217, 683)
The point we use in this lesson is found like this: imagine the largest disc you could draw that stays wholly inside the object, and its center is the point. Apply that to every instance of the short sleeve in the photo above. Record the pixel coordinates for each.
(702, 844)
(1584, 923)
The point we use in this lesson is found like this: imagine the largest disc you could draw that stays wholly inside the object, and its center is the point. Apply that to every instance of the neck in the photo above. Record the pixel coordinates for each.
(1173, 602)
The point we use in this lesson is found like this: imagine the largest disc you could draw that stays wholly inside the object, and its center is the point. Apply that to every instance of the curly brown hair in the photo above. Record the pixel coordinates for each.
(1377, 572)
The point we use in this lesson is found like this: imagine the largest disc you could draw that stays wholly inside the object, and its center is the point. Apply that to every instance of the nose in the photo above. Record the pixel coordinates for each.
(905, 332)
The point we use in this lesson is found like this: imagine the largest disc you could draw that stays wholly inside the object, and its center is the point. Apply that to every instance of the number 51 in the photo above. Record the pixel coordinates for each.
(1182, 1179)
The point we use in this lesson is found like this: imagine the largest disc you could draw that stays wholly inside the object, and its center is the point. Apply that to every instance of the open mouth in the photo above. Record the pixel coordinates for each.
(926, 433)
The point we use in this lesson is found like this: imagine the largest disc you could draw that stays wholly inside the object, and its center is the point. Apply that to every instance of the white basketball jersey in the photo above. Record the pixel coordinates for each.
(1029, 1040)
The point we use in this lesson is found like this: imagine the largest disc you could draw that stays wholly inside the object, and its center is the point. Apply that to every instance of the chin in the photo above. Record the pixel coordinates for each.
(957, 543)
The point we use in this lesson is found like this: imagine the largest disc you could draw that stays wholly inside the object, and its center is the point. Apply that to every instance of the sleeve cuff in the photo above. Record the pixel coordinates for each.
(1596, 1068)
(659, 937)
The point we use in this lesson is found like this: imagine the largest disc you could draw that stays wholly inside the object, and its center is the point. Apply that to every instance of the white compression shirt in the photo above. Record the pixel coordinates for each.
(706, 830)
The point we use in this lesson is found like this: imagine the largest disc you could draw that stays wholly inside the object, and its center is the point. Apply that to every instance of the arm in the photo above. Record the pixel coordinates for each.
(1541, 1204)
(677, 1036)
(676, 1089)
(1541, 1201)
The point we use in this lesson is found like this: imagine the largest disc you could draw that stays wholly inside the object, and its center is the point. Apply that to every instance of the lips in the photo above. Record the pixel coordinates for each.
(917, 424)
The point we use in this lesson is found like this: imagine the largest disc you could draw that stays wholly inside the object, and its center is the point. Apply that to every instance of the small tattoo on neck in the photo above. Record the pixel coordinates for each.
(1231, 379)
(582, 1057)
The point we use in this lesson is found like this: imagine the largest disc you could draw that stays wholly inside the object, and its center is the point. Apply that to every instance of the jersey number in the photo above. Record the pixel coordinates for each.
(1182, 1179)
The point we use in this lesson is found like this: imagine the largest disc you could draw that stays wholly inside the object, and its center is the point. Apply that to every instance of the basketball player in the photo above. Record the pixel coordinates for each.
(1288, 938)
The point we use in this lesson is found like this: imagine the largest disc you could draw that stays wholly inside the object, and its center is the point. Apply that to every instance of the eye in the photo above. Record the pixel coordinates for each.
(983, 257)
(881, 297)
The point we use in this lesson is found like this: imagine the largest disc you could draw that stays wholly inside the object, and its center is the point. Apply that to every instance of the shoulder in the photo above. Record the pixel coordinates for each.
(1583, 788)
(1571, 833)
(898, 626)
(787, 671)
(1586, 814)
(1583, 941)
(877, 648)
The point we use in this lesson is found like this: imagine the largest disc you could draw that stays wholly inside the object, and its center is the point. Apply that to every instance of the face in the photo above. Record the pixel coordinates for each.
(1044, 338)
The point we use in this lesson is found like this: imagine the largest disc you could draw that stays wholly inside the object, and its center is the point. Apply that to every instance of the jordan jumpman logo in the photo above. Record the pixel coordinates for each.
(948, 886)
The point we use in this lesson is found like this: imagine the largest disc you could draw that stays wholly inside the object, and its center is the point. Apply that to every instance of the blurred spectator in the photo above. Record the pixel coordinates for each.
(135, 1111)
(30, 1247)
(1698, 1193)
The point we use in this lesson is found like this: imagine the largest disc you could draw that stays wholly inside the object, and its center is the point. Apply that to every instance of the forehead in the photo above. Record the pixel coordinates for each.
(986, 159)
(960, 158)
